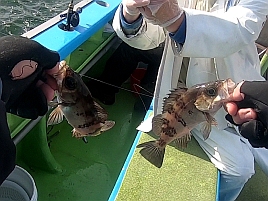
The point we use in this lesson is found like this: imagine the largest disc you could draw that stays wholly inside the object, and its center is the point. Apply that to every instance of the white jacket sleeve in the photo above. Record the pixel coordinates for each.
(149, 36)
(219, 34)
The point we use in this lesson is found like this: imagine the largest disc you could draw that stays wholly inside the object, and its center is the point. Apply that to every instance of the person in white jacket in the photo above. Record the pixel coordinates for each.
(218, 37)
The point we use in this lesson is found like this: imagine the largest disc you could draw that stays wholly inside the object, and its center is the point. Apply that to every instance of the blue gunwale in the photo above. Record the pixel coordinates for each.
(92, 19)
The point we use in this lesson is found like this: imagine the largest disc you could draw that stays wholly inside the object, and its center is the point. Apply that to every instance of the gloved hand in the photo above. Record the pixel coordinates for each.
(24, 70)
(162, 12)
(132, 6)
(255, 96)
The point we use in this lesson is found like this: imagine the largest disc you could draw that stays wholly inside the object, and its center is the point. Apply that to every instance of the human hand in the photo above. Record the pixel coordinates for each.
(25, 69)
(131, 8)
(238, 113)
(162, 12)
(250, 111)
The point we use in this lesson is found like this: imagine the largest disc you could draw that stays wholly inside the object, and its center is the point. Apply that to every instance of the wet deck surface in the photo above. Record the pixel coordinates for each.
(89, 170)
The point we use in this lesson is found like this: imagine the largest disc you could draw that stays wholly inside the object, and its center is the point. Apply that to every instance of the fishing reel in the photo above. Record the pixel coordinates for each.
(71, 16)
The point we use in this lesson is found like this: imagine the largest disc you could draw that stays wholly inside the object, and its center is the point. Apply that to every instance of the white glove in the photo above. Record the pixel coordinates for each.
(132, 6)
(162, 12)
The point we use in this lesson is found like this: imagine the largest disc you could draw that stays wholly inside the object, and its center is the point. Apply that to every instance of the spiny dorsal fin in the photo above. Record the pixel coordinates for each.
(173, 96)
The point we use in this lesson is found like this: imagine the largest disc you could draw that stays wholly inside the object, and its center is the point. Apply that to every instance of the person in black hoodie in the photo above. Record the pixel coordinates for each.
(25, 88)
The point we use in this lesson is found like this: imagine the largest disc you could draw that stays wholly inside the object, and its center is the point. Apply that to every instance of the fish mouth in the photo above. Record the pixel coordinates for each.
(226, 90)
(59, 76)
(62, 70)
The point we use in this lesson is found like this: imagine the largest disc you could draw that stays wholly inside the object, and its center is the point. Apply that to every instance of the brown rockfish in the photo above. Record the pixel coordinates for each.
(74, 101)
(183, 109)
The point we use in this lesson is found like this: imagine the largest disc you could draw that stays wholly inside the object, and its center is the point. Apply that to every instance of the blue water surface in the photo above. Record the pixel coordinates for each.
(20, 16)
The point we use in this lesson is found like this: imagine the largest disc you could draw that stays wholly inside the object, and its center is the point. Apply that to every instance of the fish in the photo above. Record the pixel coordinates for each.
(183, 109)
(76, 104)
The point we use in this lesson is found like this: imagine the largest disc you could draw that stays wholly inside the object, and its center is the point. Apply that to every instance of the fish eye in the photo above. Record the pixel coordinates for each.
(211, 91)
(70, 83)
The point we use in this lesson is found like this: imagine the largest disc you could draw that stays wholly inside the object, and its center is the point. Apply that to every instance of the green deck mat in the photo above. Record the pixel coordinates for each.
(256, 189)
(185, 175)
(89, 170)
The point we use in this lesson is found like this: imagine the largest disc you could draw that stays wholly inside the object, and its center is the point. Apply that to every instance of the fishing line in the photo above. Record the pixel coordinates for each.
(216, 69)
(136, 86)
(128, 90)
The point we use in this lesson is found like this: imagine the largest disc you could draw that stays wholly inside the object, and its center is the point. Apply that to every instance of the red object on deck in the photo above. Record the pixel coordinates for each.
(135, 79)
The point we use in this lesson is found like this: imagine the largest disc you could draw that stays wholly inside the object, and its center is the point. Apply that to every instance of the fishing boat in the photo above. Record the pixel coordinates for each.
(108, 167)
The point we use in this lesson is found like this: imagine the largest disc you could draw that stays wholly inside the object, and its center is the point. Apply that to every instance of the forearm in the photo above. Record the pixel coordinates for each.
(146, 36)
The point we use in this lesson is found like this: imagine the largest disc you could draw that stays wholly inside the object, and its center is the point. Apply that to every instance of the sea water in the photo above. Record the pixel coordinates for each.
(20, 16)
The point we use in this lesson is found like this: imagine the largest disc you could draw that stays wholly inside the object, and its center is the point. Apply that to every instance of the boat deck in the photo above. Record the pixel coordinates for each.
(65, 168)
(87, 171)
(185, 175)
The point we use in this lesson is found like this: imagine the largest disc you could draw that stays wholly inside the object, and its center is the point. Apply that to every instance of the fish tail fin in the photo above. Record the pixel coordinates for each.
(151, 152)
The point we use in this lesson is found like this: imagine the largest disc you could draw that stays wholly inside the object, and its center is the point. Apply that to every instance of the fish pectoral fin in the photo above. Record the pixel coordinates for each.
(107, 126)
(157, 122)
(152, 153)
(55, 117)
(181, 143)
(205, 129)
(206, 126)
(210, 119)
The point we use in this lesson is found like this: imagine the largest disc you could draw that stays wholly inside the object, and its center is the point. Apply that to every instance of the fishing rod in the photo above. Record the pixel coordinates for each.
(71, 16)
